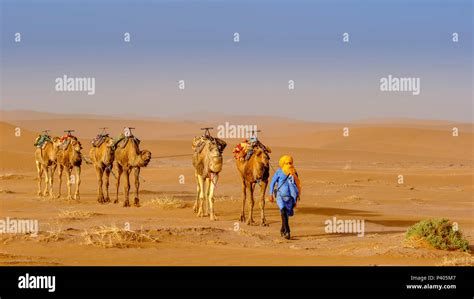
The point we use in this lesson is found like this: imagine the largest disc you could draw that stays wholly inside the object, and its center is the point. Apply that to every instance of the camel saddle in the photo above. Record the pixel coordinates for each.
(244, 150)
(122, 141)
(66, 140)
(99, 139)
(200, 141)
(40, 141)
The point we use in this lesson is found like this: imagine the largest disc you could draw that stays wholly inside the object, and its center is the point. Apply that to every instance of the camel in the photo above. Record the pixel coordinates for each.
(69, 156)
(103, 158)
(46, 162)
(252, 172)
(129, 158)
(207, 162)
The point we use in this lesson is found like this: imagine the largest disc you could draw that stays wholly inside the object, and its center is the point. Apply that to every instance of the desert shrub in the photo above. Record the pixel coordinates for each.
(167, 202)
(75, 214)
(438, 233)
(116, 237)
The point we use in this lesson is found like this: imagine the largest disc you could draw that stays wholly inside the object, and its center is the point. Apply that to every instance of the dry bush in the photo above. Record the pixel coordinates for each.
(457, 261)
(116, 237)
(416, 242)
(51, 236)
(7, 238)
(5, 191)
(54, 234)
(166, 202)
(76, 214)
(11, 176)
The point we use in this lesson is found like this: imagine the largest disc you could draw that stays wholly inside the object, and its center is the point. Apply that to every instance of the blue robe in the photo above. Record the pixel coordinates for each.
(287, 191)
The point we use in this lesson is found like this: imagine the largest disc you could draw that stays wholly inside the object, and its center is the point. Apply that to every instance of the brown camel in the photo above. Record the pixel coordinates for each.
(252, 172)
(46, 162)
(103, 158)
(129, 158)
(69, 157)
(207, 162)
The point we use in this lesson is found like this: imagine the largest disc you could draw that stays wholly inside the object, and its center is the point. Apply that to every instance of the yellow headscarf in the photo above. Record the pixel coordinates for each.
(286, 165)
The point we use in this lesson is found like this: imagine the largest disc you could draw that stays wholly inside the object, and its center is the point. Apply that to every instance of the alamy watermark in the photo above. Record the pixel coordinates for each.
(28, 281)
(228, 130)
(66, 83)
(400, 84)
(347, 226)
(19, 226)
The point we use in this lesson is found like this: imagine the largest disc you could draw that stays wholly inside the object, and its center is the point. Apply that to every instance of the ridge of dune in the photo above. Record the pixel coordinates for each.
(211, 118)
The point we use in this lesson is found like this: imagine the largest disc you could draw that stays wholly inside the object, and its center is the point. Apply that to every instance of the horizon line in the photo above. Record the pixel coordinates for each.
(194, 117)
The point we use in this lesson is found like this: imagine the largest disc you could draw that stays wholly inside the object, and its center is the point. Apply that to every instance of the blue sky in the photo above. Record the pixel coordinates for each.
(280, 40)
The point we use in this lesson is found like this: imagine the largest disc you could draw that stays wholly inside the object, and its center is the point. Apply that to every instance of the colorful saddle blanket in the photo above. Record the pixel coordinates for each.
(244, 150)
(99, 139)
(41, 140)
(66, 140)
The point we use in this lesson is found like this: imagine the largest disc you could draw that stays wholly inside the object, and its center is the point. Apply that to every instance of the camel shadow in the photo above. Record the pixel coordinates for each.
(335, 235)
(360, 213)
(335, 211)
(394, 223)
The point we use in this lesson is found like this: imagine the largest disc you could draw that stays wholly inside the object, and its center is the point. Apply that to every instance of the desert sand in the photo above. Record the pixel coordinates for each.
(354, 177)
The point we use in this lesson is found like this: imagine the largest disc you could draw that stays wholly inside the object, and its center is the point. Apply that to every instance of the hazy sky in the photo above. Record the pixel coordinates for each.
(279, 41)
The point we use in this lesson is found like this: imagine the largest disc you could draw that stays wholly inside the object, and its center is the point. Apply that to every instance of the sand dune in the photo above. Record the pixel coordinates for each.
(351, 177)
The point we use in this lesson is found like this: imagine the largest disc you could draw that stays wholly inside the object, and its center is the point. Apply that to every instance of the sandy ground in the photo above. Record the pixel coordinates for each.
(351, 177)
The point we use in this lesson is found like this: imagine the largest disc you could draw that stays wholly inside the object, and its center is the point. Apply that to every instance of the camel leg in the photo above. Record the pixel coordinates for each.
(212, 186)
(53, 170)
(61, 168)
(137, 186)
(39, 168)
(69, 172)
(126, 187)
(99, 172)
(117, 184)
(201, 196)
(251, 186)
(50, 180)
(198, 190)
(77, 196)
(263, 189)
(244, 198)
(107, 179)
(205, 204)
(46, 181)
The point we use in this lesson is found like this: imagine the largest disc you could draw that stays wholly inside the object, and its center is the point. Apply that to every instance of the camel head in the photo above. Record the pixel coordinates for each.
(56, 142)
(261, 161)
(109, 151)
(53, 153)
(214, 156)
(261, 156)
(144, 158)
(76, 145)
